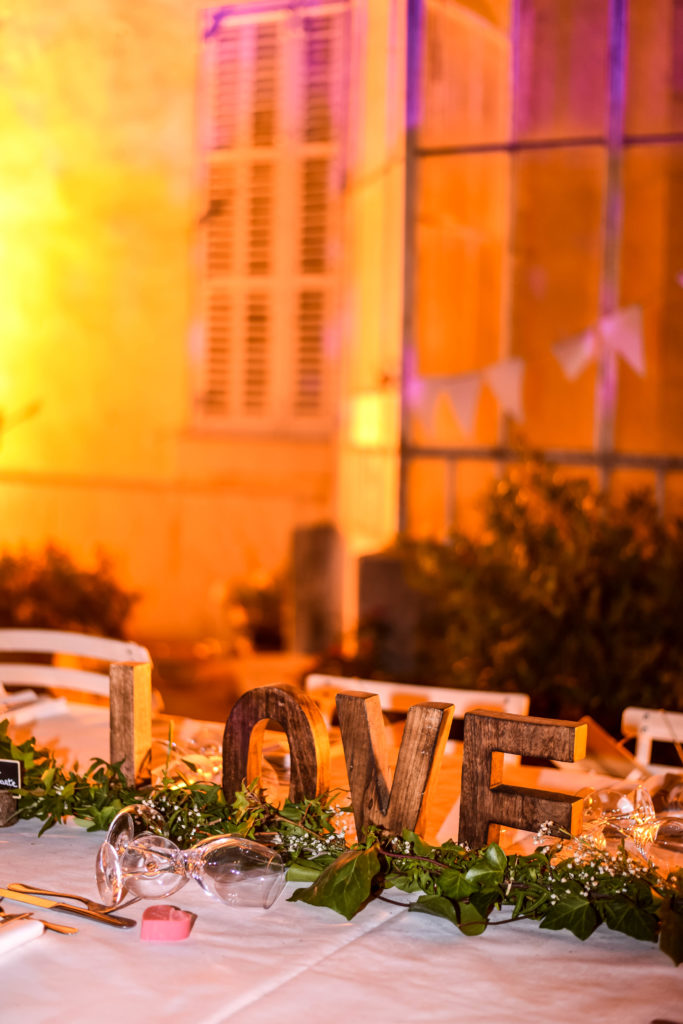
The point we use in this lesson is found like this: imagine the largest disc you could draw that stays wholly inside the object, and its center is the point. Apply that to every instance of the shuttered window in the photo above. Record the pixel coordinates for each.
(273, 105)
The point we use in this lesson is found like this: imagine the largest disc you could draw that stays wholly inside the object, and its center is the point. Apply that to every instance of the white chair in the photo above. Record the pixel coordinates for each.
(59, 644)
(400, 697)
(648, 725)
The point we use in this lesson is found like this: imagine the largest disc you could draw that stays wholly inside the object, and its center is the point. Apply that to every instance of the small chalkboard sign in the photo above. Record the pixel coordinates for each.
(10, 775)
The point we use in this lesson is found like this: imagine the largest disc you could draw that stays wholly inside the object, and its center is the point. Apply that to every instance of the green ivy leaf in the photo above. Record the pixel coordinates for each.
(291, 812)
(484, 875)
(345, 885)
(671, 931)
(439, 906)
(471, 920)
(403, 882)
(575, 913)
(495, 857)
(622, 915)
(453, 883)
(462, 914)
(304, 871)
(421, 848)
(484, 901)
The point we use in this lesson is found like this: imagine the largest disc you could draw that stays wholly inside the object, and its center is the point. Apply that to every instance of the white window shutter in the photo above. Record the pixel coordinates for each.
(271, 230)
(219, 353)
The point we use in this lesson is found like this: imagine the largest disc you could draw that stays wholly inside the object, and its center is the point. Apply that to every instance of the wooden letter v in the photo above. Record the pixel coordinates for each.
(374, 802)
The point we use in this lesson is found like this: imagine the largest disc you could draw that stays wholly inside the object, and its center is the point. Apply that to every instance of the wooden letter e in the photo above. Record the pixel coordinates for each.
(486, 803)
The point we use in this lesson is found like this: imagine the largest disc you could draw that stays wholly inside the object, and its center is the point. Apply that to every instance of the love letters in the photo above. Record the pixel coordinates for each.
(486, 802)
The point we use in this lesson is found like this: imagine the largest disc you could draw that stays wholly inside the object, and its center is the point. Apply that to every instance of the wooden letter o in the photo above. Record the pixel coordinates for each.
(309, 746)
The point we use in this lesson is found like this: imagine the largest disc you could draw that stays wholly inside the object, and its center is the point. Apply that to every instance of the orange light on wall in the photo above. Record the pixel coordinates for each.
(373, 420)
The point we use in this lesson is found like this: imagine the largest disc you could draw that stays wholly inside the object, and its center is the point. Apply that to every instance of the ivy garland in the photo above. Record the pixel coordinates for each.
(559, 889)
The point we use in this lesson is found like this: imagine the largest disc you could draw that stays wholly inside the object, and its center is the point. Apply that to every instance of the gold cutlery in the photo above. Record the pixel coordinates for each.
(92, 915)
(102, 908)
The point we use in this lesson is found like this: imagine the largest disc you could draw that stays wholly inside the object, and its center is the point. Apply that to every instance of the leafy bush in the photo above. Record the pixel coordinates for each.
(565, 595)
(48, 591)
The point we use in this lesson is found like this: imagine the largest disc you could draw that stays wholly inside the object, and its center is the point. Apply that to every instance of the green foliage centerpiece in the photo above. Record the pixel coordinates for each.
(562, 886)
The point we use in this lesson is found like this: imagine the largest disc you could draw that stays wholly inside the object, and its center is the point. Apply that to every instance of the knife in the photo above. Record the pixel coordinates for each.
(93, 915)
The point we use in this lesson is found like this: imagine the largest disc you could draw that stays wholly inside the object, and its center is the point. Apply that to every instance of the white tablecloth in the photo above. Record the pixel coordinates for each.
(295, 962)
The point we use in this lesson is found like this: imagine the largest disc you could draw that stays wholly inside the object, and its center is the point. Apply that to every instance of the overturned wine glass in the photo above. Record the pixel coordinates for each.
(229, 868)
(617, 813)
(661, 844)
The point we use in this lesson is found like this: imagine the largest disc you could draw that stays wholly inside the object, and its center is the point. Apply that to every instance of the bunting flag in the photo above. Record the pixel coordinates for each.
(574, 354)
(463, 393)
(423, 394)
(505, 380)
(623, 333)
(415, 389)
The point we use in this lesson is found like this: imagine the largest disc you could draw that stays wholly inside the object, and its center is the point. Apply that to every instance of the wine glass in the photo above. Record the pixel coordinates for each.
(149, 867)
(134, 859)
(237, 871)
(234, 870)
(615, 813)
(131, 821)
(663, 846)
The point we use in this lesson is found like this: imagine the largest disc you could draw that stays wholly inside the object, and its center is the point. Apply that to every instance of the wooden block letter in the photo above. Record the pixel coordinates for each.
(130, 718)
(309, 746)
(374, 802)
(486, 803)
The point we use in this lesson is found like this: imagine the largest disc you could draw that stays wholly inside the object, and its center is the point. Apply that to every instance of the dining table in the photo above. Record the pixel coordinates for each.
(295, 962)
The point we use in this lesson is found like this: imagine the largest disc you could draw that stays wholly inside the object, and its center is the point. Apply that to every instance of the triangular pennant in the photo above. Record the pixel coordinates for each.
(623, 333)
(463, 393)
(414, 391)
(421, 394)
(574, 354)
(505, 380)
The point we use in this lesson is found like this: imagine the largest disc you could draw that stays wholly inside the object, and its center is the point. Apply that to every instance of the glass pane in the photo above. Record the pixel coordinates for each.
(465, 77)
(650, 411)
(462, 254)
(558, 236)
(561, 69)
(654, 100)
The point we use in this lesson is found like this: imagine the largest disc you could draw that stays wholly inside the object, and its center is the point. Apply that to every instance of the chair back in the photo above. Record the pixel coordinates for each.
(648, 725)
(400, 697)
(59, 644)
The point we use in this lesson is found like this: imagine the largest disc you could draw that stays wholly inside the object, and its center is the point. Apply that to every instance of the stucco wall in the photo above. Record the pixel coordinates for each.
(99, 201)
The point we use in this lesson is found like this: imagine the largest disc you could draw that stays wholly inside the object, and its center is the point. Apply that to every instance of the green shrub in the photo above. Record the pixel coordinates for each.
(565, 595)
(48, 591)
